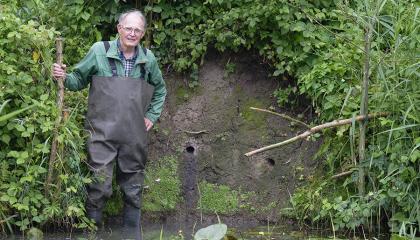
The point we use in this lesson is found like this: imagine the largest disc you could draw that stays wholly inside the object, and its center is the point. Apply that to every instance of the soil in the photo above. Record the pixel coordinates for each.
(214, 120)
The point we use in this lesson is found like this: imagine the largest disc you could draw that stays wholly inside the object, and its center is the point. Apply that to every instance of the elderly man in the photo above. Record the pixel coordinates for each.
(126, 96)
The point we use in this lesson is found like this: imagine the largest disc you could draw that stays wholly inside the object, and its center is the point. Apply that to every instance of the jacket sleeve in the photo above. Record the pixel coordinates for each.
(83, 71)
(159, 93)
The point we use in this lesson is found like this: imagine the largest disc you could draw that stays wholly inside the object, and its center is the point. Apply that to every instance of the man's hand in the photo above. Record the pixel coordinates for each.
(148, 124)
(59, 71)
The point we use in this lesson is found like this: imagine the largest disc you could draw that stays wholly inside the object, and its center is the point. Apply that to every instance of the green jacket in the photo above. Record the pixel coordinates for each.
(95, 63)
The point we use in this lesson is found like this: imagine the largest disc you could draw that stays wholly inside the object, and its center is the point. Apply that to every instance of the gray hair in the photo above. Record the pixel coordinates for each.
(136, 12)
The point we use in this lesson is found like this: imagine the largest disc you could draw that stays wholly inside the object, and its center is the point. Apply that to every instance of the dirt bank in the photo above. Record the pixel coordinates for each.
(215, 120)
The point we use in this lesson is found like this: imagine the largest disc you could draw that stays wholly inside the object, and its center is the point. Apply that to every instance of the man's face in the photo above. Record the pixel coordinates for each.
(131, 31)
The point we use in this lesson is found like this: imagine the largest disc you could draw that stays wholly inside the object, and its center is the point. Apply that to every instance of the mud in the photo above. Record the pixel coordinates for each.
(215, 118)
(189, 178)
(188, 170)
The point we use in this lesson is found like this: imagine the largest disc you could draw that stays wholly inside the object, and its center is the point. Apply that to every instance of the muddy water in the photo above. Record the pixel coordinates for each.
(170, 231)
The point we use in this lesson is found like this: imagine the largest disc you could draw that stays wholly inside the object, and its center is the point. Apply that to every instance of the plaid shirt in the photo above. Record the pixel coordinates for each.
(128, 63)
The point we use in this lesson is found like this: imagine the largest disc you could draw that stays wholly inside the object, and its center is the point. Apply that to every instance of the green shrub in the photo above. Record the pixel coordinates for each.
(25, 139)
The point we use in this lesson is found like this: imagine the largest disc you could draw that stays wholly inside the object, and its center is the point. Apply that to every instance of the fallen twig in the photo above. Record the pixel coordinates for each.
(343, 174)
(196, 132)
(315, 129)
(281, 115)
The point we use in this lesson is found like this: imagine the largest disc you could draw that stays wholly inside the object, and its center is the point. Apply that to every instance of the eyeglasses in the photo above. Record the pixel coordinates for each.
(136, 31)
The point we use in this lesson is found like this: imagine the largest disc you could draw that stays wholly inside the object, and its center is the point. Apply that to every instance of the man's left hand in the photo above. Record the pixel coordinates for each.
(148, 124)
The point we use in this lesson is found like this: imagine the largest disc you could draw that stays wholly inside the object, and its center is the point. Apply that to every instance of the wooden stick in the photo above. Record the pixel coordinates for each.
(315, 129)
(364, 109)
(60, 100)
(343, 174)
(281, 115)
(196, 132)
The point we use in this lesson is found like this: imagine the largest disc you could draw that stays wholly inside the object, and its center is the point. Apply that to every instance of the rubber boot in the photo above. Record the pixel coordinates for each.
(131, 223)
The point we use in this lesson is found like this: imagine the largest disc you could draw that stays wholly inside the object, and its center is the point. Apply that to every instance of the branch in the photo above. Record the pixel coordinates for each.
(195, 132)
(343, 174)
(315, 129)
(281, 115)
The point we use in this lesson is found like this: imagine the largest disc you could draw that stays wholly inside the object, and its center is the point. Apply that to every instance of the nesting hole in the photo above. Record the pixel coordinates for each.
(270, 161)
(190, 149)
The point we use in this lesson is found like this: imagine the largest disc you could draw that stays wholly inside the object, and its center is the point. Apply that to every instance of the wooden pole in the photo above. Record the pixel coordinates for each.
(60, 101)
(315, 129)
(364, 111)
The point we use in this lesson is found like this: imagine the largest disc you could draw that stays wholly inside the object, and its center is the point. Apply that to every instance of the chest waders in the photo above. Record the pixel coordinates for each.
(115, 121)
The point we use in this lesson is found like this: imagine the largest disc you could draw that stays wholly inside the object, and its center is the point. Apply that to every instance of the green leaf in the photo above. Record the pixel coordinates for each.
(11, 34)
(14, 113)
(44, 97)
(5, 138)
(85, 16)
(399, 216)
(212, 232)
(4, 198)
(157, 9)
(278, 72)
(298, 27)
(3, 105)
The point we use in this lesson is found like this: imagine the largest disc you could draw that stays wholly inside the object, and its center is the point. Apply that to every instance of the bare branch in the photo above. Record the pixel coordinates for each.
(343, 174)
(315, 129)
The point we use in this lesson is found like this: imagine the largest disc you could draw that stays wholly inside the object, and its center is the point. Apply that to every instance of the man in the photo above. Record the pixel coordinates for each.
(126, 96)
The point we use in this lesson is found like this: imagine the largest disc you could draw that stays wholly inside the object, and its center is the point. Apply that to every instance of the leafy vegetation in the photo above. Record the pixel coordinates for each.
(25, 138)
(319, 43)
(392, 152)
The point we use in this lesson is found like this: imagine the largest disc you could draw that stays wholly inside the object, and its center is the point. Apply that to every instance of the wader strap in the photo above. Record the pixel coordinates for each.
(110, 60)
(142, 66)
(114, 67)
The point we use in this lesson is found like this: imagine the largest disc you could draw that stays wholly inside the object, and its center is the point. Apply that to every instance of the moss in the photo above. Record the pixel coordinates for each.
(252, 119)
(183, 94)
(221, 199)
(163, 190)
(252, 116)
(218, 198)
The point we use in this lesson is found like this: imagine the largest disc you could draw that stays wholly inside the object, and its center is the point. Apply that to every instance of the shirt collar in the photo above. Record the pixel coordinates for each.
(121, 54)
